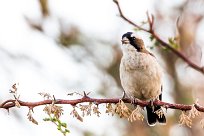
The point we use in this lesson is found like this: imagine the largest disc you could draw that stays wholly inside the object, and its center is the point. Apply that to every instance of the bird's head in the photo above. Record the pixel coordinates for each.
(131, 39)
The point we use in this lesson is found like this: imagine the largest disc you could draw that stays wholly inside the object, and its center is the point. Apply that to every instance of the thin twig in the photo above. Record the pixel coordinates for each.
(129, 21)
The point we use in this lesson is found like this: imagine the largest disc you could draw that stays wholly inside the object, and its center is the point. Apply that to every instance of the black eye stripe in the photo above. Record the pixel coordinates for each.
(134, 41)
(131, 39)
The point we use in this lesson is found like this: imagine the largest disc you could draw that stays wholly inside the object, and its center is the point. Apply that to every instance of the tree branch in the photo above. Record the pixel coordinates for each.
(162, 43)
(11, 103)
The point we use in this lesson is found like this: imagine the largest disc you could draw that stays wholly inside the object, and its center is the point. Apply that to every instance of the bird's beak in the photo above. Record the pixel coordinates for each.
(125, 41)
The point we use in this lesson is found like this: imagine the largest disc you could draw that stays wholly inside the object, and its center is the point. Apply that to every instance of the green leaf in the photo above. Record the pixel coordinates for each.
(173, 42)
(46, 119)
(151, 38)
(59, 128)
(64, 125)
(67, 131)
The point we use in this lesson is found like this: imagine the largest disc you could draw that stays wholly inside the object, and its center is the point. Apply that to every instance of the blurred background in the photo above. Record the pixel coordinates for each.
(66, 46)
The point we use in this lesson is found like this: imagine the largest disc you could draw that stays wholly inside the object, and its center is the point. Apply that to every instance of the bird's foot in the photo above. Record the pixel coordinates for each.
(134, 101)
(159, 112)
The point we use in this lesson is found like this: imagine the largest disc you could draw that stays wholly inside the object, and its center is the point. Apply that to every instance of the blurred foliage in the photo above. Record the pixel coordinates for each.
(44, 7)
(88, 133)
(113, 70)
(69, 37)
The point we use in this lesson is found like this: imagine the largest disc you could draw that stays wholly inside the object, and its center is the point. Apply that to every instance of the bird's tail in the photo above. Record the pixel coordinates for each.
(155, 114)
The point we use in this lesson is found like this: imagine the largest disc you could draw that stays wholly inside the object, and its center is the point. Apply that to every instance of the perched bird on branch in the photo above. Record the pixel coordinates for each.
(141, 76)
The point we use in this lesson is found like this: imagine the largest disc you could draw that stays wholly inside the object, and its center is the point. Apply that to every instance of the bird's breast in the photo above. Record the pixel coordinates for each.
(140, 75)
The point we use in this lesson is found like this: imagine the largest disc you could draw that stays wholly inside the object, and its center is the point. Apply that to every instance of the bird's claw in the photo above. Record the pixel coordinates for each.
(134, 100)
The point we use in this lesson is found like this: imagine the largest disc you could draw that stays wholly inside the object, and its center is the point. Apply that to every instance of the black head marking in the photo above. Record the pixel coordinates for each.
(134, 41)
(128, 35)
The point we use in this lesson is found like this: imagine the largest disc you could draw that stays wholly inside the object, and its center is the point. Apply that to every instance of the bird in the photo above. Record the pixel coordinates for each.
(141, 76)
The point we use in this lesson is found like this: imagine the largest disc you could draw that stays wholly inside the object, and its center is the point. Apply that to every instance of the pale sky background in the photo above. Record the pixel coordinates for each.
(38, 64)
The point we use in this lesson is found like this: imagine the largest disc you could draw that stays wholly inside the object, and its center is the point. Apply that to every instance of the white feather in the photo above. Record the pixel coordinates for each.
(140, 74)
